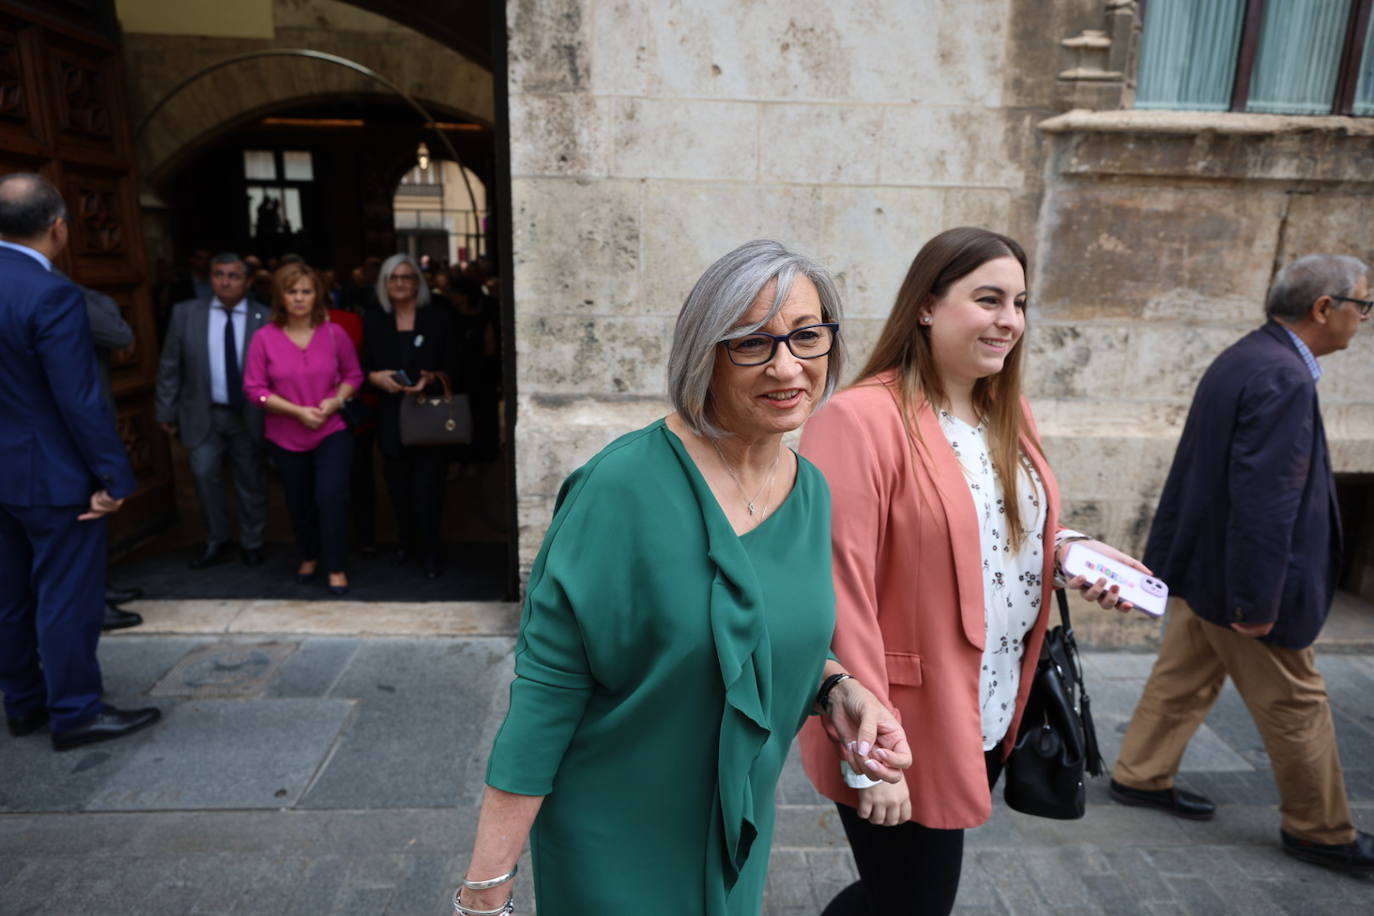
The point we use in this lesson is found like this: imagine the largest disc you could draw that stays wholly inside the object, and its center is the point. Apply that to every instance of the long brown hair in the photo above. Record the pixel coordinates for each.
(904, 346)
(286, 277)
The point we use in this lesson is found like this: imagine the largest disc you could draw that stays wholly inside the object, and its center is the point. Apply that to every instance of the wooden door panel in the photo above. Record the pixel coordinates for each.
(63, 113)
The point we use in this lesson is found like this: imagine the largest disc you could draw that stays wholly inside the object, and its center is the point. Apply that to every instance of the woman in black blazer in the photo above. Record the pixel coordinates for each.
(404, 340)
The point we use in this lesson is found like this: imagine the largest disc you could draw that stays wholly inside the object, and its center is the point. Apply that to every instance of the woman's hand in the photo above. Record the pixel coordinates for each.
(311, 417)
(868, 733)
(886, 804)
(425, 378)
(330, 406)
(1098, 591)
(382, 378)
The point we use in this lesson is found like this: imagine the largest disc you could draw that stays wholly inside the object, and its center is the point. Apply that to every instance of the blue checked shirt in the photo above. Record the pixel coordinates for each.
(1306, 355)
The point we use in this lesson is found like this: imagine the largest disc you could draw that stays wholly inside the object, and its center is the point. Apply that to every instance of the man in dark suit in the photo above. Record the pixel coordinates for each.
(1248, 537)
(200, 397)
(62, 470)
(110, 333)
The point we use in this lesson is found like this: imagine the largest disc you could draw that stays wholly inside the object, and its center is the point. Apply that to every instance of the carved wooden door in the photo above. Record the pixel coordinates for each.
(64, 114)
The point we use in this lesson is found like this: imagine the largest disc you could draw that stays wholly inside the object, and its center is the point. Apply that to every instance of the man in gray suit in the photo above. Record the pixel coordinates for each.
(200, 398)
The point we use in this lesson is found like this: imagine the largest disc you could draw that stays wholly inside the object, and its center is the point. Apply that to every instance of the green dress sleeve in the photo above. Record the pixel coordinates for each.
(553, 680)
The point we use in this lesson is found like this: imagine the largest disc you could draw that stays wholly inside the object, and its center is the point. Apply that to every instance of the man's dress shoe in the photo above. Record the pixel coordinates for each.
(27, 725)
(1175, 801)
(1359, 853)
(252, 556)
(122, 595)
(119, 619)
(212, 555)
(107, 726)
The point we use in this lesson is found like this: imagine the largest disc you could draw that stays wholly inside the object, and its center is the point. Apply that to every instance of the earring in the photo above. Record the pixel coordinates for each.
(925, 319)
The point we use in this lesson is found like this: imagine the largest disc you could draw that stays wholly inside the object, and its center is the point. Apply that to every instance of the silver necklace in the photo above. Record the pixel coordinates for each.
(768, 482)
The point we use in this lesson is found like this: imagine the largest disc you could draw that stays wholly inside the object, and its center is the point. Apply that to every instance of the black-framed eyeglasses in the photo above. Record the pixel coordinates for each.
(1364, 305)
(810, 342)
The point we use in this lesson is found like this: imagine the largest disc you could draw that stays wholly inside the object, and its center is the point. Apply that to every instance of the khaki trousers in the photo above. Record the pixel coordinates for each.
(1286, 697)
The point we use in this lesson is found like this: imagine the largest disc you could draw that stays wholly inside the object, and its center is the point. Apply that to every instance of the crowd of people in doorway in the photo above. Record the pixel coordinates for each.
(277, 361)
(705, 594)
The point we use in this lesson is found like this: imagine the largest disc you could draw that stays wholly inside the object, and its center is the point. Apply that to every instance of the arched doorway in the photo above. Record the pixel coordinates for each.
(318, 178)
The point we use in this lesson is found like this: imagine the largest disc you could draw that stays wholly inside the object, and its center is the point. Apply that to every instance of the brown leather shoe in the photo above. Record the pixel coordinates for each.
(1174, 800)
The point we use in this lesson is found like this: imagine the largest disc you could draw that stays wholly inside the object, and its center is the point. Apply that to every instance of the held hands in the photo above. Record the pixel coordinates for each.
(870, 737)
(382, 378)
(102, 504)
(1098, 591)
(311, 417)
(886, 804)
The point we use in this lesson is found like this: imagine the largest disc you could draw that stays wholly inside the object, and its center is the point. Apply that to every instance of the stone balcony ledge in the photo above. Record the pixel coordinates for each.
(1197, 122)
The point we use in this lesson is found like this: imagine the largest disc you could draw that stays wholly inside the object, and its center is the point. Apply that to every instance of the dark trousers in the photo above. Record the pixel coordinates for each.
(907, 869)
(415, 482)
(364, 491)
(316, 485)
(229, 439)
(52, 598)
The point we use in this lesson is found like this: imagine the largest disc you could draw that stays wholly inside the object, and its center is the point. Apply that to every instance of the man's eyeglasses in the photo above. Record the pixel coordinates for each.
(1364, 305)
(810, 342)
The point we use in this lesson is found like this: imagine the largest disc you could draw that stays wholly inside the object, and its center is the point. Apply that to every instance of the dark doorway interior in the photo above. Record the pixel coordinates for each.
(1355, 494)
(319, 180)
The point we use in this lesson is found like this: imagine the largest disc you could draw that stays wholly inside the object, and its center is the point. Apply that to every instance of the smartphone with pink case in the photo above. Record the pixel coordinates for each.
(1147, 593)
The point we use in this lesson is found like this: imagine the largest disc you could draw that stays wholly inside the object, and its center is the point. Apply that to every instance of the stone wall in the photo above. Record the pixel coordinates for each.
(1159, 235)
(649, 138)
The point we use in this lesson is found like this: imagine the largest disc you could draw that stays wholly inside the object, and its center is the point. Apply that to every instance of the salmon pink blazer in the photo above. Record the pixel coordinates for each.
(909, 616)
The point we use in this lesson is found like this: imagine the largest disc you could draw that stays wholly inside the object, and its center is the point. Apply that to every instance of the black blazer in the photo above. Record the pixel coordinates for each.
(1247, 528)
(435, 349)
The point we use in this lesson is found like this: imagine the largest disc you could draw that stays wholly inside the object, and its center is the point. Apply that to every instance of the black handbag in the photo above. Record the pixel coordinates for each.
(427, 419)
(1056, 743)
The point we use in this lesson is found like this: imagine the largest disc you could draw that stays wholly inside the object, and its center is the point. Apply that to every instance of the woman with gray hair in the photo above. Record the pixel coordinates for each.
(405, 347)
(676, 627)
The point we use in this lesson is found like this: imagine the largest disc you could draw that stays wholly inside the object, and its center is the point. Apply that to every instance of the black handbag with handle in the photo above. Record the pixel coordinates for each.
(1057, 743)
(428, 419)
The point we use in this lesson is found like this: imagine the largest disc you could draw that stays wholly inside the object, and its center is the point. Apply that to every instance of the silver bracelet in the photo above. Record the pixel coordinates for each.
(504, 909)
(492, 882)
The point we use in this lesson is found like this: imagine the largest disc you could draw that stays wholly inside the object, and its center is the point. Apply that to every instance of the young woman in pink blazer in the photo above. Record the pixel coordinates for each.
(943, 509)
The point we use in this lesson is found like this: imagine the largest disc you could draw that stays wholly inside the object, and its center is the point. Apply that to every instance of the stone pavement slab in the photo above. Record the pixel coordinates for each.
(378, 746)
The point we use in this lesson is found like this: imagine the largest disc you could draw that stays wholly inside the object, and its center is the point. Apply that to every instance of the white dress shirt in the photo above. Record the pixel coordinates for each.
(219, 386)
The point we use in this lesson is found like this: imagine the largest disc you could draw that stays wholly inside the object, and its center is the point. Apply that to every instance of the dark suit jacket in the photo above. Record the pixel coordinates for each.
(1247, 528)
(57, 438)
(183, 374)
(437, 352)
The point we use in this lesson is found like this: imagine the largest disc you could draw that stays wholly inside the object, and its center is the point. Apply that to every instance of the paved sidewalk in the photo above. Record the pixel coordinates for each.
(340, 774)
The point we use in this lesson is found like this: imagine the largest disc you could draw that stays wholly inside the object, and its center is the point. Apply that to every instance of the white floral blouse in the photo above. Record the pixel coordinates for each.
(1011, 579)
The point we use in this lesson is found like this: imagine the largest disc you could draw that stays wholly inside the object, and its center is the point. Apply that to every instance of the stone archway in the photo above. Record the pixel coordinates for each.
(418, 65)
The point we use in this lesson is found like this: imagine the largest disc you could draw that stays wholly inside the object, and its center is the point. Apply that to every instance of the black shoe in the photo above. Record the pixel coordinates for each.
(252, 556)
(1359, 853)
(306, 578)
(122, 595)
(110, 724)
(117, 619)
(401, 557)
(27, 725)
(212, 555)
(434, 568)
(338, 591)
(1175, 801)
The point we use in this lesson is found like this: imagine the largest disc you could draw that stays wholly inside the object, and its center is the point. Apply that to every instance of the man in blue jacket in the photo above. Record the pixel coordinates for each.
(62, 470)
(1248, 537)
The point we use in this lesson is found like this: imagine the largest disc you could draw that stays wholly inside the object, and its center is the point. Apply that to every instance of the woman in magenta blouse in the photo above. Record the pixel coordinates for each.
(301, 368)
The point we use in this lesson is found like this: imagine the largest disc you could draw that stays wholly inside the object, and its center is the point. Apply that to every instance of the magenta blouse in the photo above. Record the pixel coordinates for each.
(275, 365)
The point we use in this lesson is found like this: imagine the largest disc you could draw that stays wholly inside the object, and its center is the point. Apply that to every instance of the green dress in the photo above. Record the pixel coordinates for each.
(663, 667)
